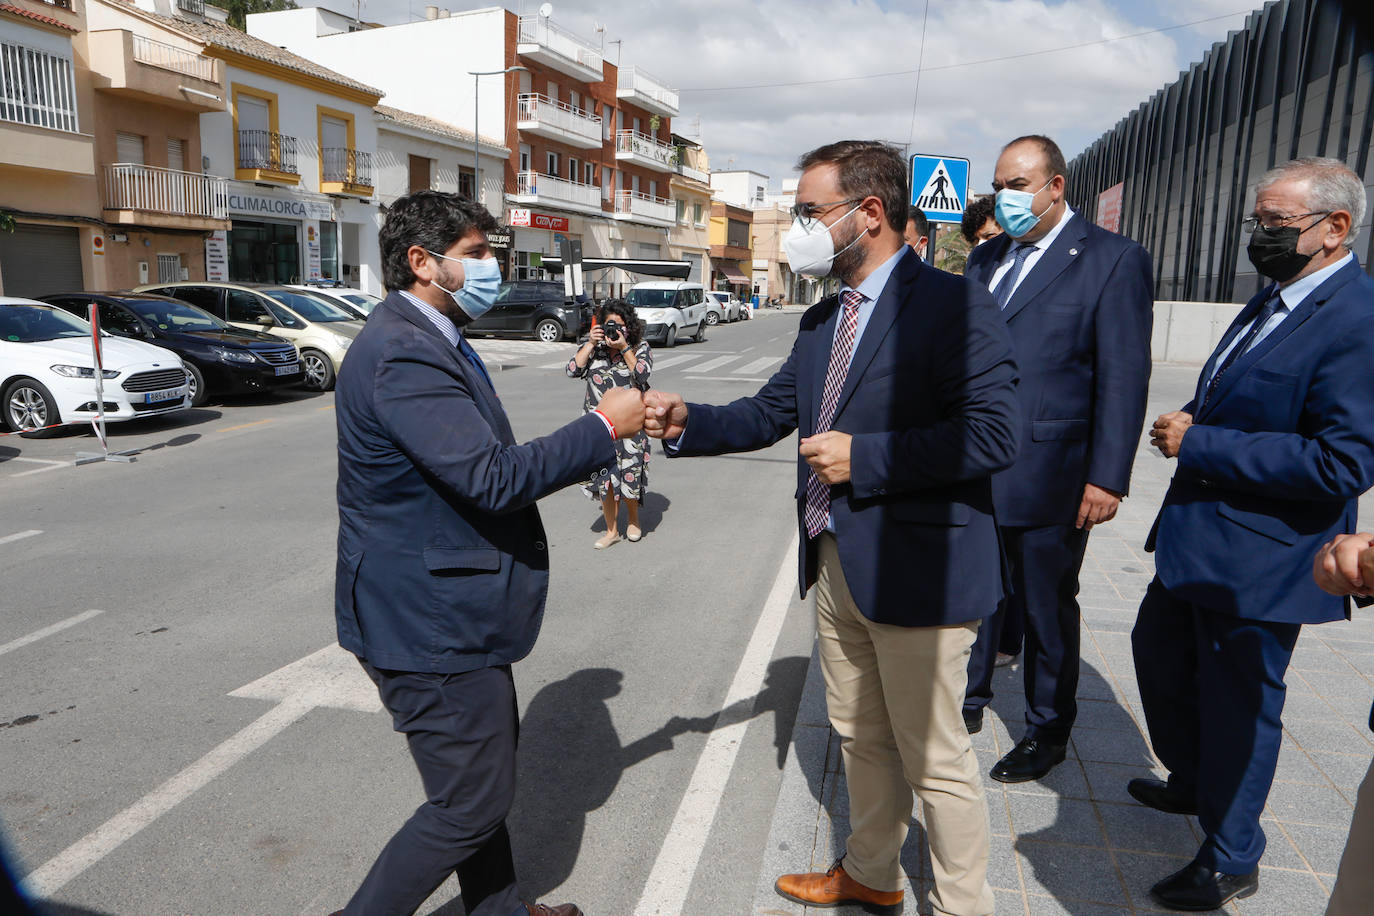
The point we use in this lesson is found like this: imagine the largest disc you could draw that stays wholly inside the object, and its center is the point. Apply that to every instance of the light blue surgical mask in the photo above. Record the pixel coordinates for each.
(1014, 210)
(481, 283)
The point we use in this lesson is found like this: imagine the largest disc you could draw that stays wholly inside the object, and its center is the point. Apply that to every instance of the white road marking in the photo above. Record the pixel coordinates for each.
(714, 364)
(330, 677)
(49, 465)
(758, 365)
(48, 631)
(667, 361)
(723, 378)
(19, 536)
(665, 893)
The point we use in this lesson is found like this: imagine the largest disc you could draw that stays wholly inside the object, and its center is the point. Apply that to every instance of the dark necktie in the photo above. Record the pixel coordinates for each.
(471, 356)
(1007, 284)
(817, 490)
(1266, 312)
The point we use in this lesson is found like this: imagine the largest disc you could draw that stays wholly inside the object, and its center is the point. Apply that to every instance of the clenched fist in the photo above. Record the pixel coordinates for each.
(624, 407)
(665, 415)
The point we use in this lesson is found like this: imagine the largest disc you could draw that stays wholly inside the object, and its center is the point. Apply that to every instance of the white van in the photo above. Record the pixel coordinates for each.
(670, 310)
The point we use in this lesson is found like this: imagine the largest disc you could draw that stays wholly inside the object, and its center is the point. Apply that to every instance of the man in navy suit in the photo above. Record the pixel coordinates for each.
(443, 563)
(903, 389)
(1273, 451)
(1079, 302)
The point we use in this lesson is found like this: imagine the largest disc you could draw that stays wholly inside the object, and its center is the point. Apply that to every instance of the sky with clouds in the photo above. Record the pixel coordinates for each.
(982, 79)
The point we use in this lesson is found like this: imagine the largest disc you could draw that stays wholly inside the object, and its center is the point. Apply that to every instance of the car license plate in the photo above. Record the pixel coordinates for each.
(167, 394)
(289, 370)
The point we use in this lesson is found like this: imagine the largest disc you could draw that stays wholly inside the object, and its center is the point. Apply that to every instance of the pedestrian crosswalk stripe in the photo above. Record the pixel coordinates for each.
(667, 361)
(758, 365)
(714, 364)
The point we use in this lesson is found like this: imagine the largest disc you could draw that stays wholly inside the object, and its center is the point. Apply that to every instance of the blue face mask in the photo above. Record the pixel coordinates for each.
(1014, 210)
(481, 283)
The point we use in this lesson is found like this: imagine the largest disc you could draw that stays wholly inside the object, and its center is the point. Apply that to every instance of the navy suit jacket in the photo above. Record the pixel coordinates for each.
(443, 565)
(1080, 325)
(930, 401)
(1272, 467)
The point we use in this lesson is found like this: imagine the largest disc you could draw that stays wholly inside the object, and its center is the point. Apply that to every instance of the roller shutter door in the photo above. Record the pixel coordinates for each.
(37, 260)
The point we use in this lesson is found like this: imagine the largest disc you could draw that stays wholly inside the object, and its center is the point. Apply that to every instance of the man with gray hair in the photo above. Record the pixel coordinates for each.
(1273, 452)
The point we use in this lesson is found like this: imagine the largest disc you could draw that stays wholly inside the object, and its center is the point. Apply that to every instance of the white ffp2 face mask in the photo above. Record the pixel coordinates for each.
(812, 252)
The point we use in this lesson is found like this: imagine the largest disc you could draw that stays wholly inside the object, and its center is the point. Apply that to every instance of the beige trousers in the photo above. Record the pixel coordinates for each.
(895, 697)
(1353, 894)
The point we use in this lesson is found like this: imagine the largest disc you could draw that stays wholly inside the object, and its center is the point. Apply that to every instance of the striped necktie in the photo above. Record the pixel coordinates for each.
(1267, 310)
(817, 491)
(1007, 285)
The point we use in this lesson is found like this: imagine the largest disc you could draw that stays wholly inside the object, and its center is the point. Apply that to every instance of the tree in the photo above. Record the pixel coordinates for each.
(951, 250)
(6, 221)
(240, 9)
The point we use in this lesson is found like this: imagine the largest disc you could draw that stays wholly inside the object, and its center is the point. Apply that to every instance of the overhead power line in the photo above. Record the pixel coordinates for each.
(967, 63)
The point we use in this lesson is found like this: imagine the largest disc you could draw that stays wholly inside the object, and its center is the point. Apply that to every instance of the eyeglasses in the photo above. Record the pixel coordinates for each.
(808, 214)
(1251, 223)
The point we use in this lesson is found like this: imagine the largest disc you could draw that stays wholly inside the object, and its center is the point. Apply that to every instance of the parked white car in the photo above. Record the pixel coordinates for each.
(354, 299)
(728, 308)
(47, 371)
(670, 310)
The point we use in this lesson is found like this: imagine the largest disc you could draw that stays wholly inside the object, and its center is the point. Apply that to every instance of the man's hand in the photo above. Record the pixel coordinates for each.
(1167, 433)
(665, 415)
(828, 455)
(1345, 566)
(624, 407)
(1098, 506)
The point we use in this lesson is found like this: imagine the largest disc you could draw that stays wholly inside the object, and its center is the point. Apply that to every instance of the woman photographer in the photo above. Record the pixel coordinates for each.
(616, 356)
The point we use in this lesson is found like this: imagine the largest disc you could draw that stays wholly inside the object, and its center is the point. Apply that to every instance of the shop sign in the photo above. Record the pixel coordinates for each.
(500, 238)
(532, 220)
(1109, 207)
(217, 257)
(261, 205)
(312, 250)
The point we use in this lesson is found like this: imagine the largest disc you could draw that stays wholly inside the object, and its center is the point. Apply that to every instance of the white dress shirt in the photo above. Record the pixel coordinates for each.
(1031, 259)
(1290, 297)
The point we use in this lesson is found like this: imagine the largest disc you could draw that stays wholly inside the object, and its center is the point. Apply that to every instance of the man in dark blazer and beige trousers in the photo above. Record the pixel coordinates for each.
(903, 390)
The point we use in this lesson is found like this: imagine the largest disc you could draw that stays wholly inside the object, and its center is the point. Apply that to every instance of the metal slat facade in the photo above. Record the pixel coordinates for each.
(1298, 80)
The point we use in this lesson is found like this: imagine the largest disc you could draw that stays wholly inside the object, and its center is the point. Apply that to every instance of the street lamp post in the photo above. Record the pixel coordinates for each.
(476, 124)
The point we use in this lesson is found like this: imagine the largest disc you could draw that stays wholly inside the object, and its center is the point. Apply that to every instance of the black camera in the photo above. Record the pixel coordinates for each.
(614, 329)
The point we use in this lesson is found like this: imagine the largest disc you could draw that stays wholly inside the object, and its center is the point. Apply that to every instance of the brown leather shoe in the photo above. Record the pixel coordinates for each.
(543, 909)
(833, 888)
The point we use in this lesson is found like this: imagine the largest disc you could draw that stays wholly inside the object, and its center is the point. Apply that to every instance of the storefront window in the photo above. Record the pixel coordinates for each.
(264, 252)
(329, 251)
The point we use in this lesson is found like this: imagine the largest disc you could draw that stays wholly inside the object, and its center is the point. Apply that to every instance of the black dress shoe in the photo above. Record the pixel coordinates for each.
(973, 720)
(1030, 759)
(1155, 793)
(1197, 888)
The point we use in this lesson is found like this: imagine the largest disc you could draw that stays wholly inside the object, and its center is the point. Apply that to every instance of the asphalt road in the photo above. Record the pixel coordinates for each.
(137, 597)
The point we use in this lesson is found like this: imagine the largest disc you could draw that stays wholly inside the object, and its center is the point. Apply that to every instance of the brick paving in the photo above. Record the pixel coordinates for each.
(1075, 842)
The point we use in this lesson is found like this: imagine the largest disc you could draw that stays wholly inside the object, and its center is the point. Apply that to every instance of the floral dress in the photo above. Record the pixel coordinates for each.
(627, 476)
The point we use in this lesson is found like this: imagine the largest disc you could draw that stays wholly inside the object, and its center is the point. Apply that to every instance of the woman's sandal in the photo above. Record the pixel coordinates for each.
(606, 540)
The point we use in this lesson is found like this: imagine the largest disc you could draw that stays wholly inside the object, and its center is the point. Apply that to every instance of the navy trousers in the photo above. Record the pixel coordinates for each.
(1044, 564)
(1212, 688)
(462, 731)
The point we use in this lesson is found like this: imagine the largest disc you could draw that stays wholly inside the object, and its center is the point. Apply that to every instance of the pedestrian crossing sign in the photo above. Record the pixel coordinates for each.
(939, 186)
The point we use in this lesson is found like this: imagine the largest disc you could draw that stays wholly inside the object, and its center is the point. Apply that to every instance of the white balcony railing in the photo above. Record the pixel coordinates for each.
(169, 57)
(548, 189)
(635, 82)
(541, 114)
(636, 205)
(631, 144)
(129, 186)
(540, 31)
(687, 171)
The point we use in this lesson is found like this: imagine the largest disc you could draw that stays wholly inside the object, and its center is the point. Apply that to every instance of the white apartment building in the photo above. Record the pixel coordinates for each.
(740, 187)
(295, 143)
(591, 155)
(415, 152)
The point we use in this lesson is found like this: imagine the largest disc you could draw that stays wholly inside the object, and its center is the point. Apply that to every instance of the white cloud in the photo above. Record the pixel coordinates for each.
(1072, 95)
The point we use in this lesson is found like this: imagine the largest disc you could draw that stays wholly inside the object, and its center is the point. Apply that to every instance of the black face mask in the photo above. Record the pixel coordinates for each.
(1274, 252)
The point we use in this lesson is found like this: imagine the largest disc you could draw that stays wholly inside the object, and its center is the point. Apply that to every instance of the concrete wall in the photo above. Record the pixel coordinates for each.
(1188, 332)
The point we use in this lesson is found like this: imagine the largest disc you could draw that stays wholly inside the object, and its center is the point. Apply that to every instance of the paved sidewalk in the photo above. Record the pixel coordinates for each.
(1075, 842)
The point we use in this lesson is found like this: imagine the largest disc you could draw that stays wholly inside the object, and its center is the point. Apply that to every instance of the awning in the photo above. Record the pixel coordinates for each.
(679, 270)
(732, 272)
